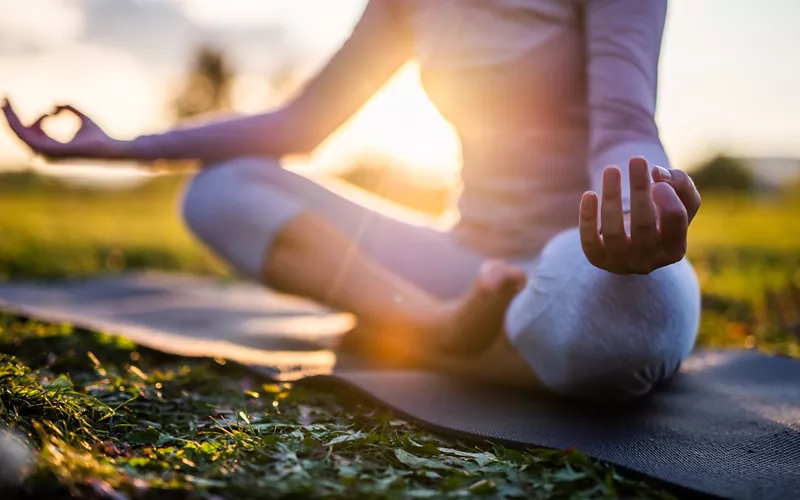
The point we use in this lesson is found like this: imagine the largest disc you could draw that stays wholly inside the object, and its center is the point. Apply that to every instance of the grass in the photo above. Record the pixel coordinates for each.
(54, 232)
(107, 418)
(107, 415)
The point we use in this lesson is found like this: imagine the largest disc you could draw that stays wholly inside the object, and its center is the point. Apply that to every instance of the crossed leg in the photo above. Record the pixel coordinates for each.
(574, 330)
(407, 281)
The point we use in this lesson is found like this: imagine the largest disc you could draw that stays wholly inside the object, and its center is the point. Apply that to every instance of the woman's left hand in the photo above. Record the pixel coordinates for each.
(653, 235)
(89, 142)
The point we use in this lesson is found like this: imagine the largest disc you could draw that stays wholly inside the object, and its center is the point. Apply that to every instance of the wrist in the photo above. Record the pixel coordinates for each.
(142, 148)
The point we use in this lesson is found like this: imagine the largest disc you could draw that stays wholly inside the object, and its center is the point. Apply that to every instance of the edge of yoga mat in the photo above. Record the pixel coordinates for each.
(315, 362)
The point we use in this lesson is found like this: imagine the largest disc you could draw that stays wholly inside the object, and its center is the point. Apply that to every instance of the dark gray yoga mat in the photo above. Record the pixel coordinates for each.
(728, 424)
(287, 337)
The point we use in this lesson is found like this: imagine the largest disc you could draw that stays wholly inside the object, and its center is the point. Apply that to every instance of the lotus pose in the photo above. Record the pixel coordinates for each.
(566, 268)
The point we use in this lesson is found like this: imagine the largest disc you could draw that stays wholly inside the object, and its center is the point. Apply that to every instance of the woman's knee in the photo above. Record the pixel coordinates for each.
(589, 333)
(209, 198)
(235, 208)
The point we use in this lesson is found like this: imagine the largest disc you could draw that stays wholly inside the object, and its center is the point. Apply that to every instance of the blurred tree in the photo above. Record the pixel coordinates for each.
(723, 173)
(208, 84)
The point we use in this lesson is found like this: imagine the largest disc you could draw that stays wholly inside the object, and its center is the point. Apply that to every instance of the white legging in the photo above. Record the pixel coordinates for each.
(584, 332)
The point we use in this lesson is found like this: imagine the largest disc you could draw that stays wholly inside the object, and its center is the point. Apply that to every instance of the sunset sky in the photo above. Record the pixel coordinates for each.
(730, 74)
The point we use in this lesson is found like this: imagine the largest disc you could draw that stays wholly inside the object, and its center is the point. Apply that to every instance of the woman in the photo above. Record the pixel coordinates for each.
(545, 95)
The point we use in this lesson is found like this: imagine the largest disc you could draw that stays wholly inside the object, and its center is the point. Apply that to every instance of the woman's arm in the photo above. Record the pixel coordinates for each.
(644, 225)
(623, 43)
(378, 46)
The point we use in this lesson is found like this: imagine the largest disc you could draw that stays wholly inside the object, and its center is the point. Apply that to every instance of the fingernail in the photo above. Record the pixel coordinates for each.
(663, 173)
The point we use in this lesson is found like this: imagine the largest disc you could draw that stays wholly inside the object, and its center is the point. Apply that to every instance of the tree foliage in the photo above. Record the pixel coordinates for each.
(723, 173)
(208, 85)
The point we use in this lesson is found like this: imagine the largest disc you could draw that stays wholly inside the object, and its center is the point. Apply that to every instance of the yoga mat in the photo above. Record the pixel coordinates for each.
(728, 424)
(287, 337)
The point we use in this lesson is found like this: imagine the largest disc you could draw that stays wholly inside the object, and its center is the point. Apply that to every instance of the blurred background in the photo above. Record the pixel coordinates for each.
(729, 112)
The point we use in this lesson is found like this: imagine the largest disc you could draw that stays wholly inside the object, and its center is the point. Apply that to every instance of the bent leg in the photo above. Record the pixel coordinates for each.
(592, 334)
(270, 225)
(238, 208)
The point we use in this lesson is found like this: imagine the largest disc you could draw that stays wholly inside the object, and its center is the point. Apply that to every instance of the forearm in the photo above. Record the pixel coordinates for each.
(623, 47)
(268, 134)
(379, 44)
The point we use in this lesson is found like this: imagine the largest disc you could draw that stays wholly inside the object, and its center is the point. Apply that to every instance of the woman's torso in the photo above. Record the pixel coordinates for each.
(510, 76)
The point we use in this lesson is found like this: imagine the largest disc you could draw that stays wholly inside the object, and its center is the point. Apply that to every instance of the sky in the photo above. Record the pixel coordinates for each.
(729, 75)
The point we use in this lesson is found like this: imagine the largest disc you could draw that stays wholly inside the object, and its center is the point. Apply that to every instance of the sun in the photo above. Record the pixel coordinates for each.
(400, 123)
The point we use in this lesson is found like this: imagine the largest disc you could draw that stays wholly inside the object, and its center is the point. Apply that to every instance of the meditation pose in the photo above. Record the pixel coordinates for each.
(565, 269)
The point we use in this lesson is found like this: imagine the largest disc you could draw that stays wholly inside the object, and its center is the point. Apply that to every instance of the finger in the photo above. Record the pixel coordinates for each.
(644, 234)
(66, 107)
(673, 221)
(33, 135)
(615, 239)
(32, 138)
(12, 118)
(37, 125)
(73, 110)
(683, 186)
(591, 242)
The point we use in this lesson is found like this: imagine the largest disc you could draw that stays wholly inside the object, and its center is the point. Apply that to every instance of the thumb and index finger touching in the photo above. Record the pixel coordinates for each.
(32, 134)
(16, 124)
(85, 120)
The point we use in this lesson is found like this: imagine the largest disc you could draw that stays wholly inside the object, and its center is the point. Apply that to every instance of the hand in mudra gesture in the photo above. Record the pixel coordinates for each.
(653, 235)
(89, 142)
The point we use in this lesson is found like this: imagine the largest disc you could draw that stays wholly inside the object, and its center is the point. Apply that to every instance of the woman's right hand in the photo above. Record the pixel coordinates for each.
(89, 142)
